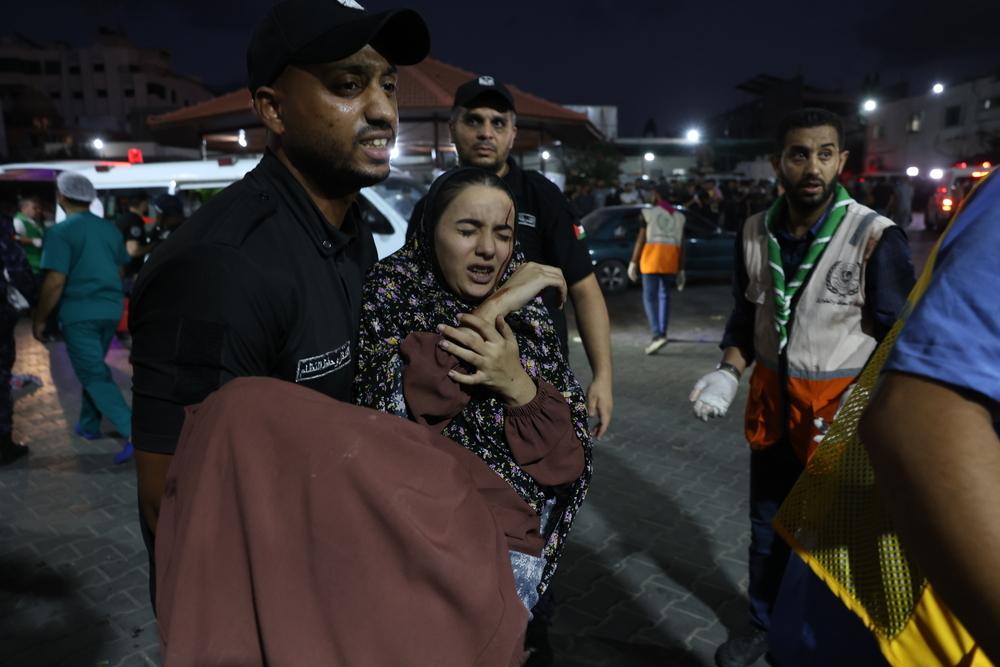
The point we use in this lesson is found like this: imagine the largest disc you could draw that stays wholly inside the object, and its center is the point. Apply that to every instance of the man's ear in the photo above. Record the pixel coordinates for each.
(267, 104)
(776, 164)
(843, 160)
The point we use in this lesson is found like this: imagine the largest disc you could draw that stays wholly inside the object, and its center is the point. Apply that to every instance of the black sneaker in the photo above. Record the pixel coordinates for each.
(11, 451)
(742, 650)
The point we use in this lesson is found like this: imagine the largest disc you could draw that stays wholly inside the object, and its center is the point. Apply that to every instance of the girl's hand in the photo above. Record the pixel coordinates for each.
(491, 349)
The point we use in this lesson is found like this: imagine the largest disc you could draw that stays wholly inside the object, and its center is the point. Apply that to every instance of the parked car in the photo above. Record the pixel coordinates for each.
(709, 251)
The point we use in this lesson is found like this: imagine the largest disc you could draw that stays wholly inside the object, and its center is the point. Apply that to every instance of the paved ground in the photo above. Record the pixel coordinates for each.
(654, 575)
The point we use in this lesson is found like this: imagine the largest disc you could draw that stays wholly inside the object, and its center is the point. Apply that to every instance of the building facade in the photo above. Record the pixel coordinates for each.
(936, 130)
(58, 93)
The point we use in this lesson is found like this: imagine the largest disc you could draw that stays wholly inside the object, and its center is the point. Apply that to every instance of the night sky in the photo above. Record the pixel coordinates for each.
(677, 62)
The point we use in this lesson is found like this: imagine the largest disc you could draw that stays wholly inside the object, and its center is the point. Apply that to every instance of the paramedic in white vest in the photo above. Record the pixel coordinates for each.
(819, 281)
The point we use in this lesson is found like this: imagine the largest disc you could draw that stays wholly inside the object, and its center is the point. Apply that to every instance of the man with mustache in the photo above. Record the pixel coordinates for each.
(265, 279)
(819, 281)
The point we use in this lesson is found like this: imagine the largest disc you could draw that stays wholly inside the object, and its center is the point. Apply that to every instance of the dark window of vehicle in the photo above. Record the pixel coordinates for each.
(77, 94)
(129, 92)
(696, 227)
(953, 116)
(53, 67)
(156, 90)
(592, 221)
(133, 68)
(373, 218)
(401, 193)
(101, 92)
(98, 67)
(55, 95)
(74, 69)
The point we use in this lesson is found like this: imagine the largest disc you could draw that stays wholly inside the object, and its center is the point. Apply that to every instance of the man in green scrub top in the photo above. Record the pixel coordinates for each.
(84, 256)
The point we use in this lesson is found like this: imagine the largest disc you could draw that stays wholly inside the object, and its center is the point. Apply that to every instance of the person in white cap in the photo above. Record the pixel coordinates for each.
(84, 256)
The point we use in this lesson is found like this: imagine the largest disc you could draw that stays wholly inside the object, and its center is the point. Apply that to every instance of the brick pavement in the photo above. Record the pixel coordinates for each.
(654, 573)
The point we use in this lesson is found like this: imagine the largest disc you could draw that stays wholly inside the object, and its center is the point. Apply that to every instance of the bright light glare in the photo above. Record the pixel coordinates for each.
(937, 174)
(241, 139)
(937, 88)
(912, 171)
(98, 144)
(546, 155)
(645, 177)
(648, 157)
(394, 152)
(870, 105)
(693, 136)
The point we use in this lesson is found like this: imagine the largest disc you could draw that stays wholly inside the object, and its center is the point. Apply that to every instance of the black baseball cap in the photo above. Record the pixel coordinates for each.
(304, 32)
(484, 91)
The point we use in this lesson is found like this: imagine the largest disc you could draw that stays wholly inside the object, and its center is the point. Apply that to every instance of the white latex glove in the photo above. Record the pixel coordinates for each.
(633, 272)
(681, 280)
(713, 394)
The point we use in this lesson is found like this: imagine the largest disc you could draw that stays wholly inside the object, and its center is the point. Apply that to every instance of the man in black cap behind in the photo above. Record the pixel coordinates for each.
(265, 279)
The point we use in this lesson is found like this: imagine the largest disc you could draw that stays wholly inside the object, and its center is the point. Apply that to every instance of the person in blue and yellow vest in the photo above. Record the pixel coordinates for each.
(819, 280)
(84, 256)
(659, 256)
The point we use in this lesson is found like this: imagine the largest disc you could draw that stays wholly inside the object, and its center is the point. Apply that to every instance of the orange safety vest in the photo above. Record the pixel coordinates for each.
(664, 235)
(830, 336)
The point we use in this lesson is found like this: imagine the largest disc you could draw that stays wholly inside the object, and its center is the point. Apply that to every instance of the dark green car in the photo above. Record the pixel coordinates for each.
(709, 251)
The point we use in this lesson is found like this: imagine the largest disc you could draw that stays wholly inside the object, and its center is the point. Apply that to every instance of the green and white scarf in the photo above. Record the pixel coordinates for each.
(784, 292)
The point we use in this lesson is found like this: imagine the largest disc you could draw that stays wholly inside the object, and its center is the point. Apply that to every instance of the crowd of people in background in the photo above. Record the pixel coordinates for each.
(726, 202)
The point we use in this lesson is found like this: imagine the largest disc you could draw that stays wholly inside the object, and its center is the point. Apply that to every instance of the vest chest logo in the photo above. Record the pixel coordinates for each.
(527, 220)
(843, 281)
(313, 368)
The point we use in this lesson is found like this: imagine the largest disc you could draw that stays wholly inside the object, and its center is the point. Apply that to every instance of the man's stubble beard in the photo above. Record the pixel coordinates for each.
(791, 194)
(333, 174)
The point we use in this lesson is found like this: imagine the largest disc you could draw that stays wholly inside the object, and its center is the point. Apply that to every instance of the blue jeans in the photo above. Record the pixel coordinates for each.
(87, 344)
(656, 298)
(773, 473)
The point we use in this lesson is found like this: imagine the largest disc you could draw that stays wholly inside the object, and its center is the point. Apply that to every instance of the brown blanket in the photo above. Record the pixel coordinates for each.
(299, 530)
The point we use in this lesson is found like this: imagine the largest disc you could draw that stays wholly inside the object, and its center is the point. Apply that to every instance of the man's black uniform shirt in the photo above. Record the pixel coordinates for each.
(545, 232)
(256, 283)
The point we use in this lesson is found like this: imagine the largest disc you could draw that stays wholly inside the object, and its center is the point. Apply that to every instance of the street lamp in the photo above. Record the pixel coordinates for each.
(937, 174)
(869, 105)
(937, 88)
(693, 136)
(98, 144)
(648, 157)
(546, 155)
(912, 172)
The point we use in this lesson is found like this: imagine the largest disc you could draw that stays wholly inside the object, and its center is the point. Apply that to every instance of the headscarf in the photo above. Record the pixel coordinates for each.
(406, 293)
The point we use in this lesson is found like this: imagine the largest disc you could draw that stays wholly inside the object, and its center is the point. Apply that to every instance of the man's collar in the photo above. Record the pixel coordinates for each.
(782, 226)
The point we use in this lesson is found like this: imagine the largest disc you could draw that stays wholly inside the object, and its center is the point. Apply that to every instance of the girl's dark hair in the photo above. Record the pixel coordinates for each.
(448, 186)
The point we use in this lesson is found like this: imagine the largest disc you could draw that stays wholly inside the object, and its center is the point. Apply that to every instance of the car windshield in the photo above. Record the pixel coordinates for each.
(593, 221)
(401, 193)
